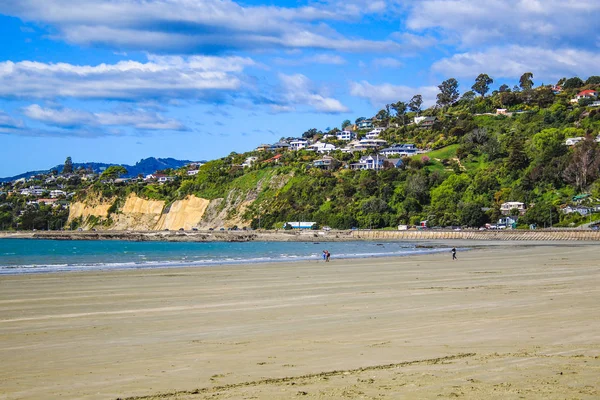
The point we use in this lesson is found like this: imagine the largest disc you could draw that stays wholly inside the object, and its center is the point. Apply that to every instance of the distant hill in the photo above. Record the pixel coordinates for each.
(145, 166)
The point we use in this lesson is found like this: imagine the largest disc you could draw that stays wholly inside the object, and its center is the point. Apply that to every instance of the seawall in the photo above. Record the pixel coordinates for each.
(311, 236)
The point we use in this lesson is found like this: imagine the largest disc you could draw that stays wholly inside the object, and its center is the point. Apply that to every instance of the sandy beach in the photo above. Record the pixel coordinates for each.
(501, 322)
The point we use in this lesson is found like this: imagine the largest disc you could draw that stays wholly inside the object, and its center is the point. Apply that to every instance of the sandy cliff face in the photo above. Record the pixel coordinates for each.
(142, 214)
(83, 210)
(184, 214)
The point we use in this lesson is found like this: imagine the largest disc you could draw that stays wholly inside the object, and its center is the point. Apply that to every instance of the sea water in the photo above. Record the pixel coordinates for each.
(21, 256)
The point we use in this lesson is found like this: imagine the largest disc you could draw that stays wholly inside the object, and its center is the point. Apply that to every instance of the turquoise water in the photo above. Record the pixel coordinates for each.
(20, 256)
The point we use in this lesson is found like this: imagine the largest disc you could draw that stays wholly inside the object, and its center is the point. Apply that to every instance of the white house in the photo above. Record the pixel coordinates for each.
(584, 94)
(582, 210)
(369, 144)
(345, 135)
(505, 208)
(424, 121)
(374, 133)
(249, 161)
(400, 149)
(57, 193)
(298, 144)
(321, 147)
(193, 172)
(375, 162)
(573, 141)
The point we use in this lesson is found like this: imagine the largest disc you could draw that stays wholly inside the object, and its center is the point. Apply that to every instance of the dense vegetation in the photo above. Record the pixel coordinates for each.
(478, 159)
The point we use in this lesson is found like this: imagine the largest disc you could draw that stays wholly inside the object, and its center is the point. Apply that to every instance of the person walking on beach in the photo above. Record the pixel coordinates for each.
(324, 255)
(454, 253)
(328, 255)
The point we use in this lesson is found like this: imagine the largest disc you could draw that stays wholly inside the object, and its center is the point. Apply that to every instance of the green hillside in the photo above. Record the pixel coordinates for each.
(477, 157)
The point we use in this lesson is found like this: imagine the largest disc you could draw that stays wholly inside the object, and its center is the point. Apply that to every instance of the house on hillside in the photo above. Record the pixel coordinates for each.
(585, 94)
(263, 147)
(193, 172)
(57, 193)
(365, 124)
(345, 135)
(298, 144)
(327, 163)
(249, 161)
(401, 150)
(424, 122)
(374, 162)
(505, 208)
(374, 133)
(581, 210)
(573, 141)
(280, 146)
(47, 202)
(366, 145)
(393, 163)
(322, 148)
(274, 159)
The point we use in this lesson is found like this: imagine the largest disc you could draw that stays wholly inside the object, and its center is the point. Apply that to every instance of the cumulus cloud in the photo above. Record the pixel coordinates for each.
(298, 90)
(472, 22)
(512, 61)
(161, 77)
(185, 26)
(386, 93)
(70, 118)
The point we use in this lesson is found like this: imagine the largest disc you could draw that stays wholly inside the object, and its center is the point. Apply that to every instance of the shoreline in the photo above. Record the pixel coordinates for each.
(494, 324)
(310, 236)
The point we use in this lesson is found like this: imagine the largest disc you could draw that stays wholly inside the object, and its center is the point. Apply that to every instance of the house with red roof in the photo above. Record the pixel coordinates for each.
(585, 94)
(274, 159)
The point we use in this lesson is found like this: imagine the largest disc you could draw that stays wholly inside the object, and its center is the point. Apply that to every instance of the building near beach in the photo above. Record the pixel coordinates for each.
(301, 225)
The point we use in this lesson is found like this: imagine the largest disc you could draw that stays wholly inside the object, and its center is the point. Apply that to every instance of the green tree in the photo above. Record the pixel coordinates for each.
(482, 84)
(593, 80)
(448, 93)
(346, 123)
(312, 132)
(113, 172)
(504, 88)
(400, 109)
(526, 82)
(472, 215)
(68, 167)
(573, 83)
(415, 103)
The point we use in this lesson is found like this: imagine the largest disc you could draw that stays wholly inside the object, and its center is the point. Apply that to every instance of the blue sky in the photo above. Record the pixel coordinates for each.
(120, 80)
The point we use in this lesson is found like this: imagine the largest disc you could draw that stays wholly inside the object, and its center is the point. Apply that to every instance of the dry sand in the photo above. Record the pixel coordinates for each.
(499, 323)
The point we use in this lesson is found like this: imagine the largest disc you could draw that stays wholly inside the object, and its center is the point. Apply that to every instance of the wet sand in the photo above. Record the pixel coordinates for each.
(499, 323)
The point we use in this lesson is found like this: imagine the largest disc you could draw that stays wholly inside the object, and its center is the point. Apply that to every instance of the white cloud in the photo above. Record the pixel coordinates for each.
(162, 77)
(298, 91)
(8, 122)
(68, 118)
(177, 26)
(380, 95)
(513, 61)
(525, 22)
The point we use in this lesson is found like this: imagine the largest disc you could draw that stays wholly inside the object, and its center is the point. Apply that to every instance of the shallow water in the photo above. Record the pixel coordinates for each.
(19, 256)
